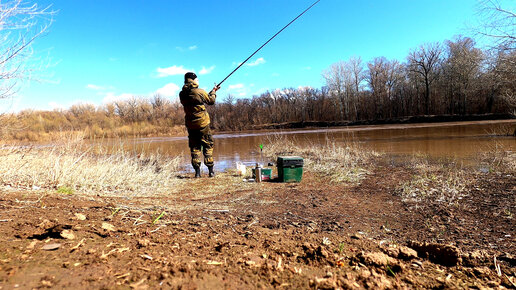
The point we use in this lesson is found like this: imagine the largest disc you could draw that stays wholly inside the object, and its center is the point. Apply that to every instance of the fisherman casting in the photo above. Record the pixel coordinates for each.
(197, 121)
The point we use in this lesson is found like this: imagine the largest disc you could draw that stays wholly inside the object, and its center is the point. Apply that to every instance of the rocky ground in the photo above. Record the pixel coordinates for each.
(223, 233)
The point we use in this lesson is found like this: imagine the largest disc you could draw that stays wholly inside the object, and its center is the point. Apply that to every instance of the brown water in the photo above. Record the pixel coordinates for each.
(454, 139)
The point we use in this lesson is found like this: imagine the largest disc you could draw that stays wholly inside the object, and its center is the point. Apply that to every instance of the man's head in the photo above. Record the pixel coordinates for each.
(190, 75)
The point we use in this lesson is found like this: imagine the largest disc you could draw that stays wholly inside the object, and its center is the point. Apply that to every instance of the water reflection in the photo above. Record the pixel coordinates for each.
(457, 139)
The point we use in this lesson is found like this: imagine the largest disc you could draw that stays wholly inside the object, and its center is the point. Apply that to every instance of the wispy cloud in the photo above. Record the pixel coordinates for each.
(95, 87)
(171, 71)
(190, 48)
(234, 87)
(258, 61)
(98, 88)
(238, 90)
(169, 90)
(205, 70)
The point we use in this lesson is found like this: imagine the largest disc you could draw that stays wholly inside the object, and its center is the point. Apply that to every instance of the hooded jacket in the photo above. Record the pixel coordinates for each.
(193, 100)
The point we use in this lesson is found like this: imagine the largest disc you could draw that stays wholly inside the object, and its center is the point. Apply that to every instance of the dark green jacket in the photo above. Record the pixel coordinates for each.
(193, 100)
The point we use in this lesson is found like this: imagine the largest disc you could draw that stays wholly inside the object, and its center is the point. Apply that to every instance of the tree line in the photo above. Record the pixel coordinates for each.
(450, 78)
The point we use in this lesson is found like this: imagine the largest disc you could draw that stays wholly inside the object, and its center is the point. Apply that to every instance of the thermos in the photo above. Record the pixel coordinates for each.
(258, 173)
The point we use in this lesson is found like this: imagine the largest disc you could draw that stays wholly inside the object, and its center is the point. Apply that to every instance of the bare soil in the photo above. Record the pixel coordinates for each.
(314, 234)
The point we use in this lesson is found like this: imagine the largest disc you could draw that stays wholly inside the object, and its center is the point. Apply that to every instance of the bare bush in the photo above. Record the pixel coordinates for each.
(20, 25)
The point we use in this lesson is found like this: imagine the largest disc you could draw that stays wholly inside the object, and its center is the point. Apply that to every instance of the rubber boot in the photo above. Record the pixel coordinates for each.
(211, 172)
(197, 171)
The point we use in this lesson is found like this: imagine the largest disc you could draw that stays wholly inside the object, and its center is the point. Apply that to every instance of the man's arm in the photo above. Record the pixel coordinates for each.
(210, 97)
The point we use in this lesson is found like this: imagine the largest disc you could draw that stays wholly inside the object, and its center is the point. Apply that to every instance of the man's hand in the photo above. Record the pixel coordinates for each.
(215, 88)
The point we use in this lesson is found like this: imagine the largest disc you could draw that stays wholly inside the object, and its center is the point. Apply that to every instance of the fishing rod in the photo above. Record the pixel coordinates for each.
(268, 41)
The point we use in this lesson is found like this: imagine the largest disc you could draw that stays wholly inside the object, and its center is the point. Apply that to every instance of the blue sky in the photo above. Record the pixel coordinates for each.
(107, 50)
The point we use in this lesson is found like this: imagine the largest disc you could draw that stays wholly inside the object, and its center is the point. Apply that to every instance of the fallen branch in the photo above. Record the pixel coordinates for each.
(104, 256)
(77, 246)
(497, 267)
(509, 278)
(157, 229)
(123, 275)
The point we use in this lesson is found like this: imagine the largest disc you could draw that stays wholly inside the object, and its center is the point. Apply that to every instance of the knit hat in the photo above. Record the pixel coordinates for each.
(190, 75)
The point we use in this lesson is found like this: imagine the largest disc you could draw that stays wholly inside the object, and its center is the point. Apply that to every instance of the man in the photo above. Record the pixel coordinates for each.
(197, 122)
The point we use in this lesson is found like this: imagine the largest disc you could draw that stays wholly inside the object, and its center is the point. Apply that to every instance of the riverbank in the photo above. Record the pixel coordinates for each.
(385, 223)
(51, 126)
(404, 120)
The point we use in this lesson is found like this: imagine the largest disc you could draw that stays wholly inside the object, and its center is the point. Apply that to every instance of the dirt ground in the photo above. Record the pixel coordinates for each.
(314, 234)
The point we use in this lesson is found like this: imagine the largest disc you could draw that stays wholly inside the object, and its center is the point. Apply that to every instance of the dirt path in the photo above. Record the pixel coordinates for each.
(272, 235)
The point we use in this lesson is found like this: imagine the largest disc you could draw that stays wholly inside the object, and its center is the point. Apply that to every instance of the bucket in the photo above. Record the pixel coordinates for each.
(240, 168)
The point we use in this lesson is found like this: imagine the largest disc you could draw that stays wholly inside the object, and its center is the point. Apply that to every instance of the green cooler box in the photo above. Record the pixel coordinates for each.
(290, 168)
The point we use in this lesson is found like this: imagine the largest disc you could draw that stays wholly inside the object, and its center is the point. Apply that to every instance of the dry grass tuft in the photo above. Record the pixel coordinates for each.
(74, 166)
(432, 184)
(500, 159)
(340, 163)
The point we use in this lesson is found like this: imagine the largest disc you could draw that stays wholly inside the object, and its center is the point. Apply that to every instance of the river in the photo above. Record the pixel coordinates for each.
(454, 139)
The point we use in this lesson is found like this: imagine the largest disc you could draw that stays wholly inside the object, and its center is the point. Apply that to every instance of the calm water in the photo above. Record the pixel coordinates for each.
(457, 139)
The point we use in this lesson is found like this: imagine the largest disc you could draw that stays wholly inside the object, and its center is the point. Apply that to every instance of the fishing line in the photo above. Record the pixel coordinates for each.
(268, 41)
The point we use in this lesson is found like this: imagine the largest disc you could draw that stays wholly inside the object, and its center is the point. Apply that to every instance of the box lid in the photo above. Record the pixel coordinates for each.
(288, 161)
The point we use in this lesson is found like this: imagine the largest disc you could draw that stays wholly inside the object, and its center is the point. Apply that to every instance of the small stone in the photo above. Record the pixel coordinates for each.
(407, 253)
(80, 216)
(51, 247)
(45, 224)
(377, 259)
(32, 245)
(357, 236)
(67, 234)
(417, 264)
(143, 243)
(108, 227)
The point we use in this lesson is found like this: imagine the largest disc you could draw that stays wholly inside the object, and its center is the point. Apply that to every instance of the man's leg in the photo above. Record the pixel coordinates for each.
(195, 151)
(207, 146)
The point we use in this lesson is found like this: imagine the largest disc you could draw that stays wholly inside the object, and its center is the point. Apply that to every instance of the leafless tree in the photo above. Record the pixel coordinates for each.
(21, 24)
(461, 70)
(383, 76)
(499, 23)
(345, 79)
(335, 77)
(425, 62)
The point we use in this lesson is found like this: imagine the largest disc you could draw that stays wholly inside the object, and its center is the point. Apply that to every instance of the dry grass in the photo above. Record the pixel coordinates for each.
(341, 163)
(435, 181)
(75, 167)
(448, 183)
(500, 159)
(447, 187)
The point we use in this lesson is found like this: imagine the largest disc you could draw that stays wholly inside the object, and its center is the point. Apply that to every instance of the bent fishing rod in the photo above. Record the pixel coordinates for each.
(268, 41)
